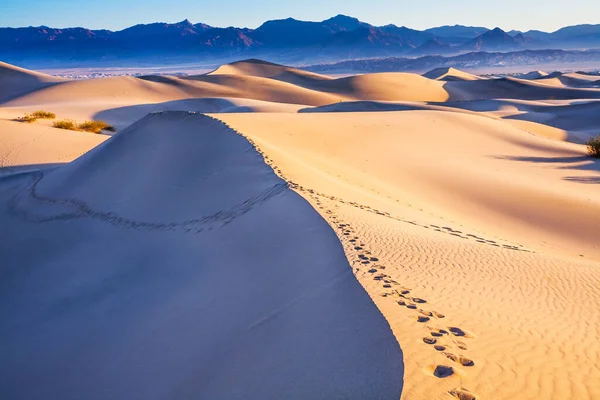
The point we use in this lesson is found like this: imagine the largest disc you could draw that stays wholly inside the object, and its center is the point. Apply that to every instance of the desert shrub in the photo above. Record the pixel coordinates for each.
(95, 126)
(40, 114)
(26, 118)
(87, 126)
(593, 146)
(65, 124)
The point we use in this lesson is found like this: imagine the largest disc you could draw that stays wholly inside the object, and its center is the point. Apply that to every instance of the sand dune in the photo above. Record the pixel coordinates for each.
(165, 308)
(462, 210)
(508, 88)
(533, 75)
(576, 119)
(382, 86)
(450, 74)
(265, 69)
(15, 81)
(571, 79)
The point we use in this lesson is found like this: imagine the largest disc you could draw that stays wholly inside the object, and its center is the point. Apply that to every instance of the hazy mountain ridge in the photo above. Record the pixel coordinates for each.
(479, 59)
(337, 38)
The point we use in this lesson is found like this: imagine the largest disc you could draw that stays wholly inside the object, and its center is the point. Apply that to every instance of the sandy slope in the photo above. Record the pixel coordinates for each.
(473, 219)
(514, 88)
(571, 79)
(15, 81)
(29, 146)
(171, 262)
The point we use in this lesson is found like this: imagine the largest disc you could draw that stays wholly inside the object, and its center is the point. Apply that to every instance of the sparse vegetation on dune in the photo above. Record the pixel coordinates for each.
(65, 124)
(40, 114)
(87, 126)
(594, 146)
(95, 126)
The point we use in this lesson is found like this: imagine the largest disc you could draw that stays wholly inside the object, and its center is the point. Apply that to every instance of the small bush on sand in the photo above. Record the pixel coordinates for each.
(87, 126)
(40, 114)
(65, 124)
(594, 146)
(95, 126)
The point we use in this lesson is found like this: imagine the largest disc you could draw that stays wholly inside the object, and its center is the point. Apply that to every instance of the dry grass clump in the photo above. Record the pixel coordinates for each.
(95, 126)
(40, 114)
(65, 124)
(87, 126)
(594, 146)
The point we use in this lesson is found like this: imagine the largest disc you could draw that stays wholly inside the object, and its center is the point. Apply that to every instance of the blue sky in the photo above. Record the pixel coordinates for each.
(547, 15)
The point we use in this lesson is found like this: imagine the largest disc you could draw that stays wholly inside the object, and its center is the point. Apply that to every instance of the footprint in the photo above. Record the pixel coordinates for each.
(438, 315)
(464, 361)
(461, 345)
(462, 393)
(439, 347)
(437, 332)
(459, 332)
(426, 313)
(429, 340)
(443, 371)
(422, 318)
(418, 300)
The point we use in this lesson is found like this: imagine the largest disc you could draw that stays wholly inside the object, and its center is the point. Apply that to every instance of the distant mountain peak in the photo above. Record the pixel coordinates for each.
(341, 17)
(344, 22)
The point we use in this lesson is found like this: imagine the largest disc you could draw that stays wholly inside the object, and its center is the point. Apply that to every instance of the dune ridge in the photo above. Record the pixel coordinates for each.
(450, 74)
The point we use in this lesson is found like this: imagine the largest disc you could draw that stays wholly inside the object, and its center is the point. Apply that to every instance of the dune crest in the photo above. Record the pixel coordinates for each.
(450, 74)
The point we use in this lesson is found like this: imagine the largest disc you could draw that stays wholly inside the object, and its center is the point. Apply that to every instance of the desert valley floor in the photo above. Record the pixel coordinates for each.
(266, 232)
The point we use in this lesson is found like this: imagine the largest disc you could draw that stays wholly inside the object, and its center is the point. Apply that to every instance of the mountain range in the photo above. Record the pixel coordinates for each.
(473, 60)
(289, 40)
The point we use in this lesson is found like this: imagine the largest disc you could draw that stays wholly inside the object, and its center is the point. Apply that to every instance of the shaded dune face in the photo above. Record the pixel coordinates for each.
(171, 262)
